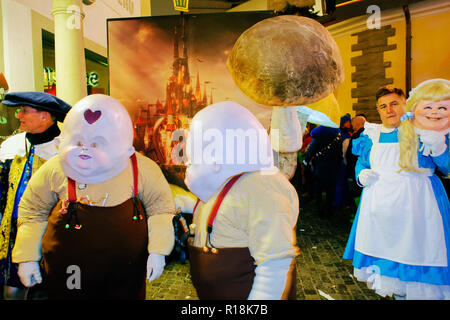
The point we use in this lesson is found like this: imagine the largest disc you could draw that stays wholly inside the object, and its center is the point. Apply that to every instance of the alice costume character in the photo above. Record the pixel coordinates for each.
(21, 155)
(400, 238)
(98, 208)
(428, 109)
(244, 243)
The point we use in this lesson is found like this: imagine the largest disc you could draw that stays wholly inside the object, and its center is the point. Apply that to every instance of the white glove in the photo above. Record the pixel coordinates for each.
(29, 273)
(155, 266)
(366, 177)
(270, 279)
(433, 142)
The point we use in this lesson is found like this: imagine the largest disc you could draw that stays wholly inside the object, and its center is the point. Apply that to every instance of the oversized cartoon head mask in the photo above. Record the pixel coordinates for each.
(96, 140)
(429, 102)
(224, 140)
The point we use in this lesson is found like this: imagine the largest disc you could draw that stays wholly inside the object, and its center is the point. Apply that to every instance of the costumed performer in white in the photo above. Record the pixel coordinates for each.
(112, 222)
(400, 236)
(245, 244)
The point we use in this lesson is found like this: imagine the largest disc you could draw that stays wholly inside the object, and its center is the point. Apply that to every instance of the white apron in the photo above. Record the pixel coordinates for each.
(399, 219)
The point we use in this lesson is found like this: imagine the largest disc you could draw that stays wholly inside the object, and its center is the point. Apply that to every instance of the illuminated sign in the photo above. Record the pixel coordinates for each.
(49, 77)
(92, 78)
(181, 5)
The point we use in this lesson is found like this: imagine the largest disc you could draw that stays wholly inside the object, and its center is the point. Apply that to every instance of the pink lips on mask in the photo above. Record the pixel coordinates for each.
(84, 156)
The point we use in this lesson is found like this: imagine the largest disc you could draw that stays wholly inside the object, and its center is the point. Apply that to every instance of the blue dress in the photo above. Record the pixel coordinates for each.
(404, 273)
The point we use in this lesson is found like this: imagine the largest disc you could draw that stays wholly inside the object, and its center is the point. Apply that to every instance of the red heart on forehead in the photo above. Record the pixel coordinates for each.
(91, 117)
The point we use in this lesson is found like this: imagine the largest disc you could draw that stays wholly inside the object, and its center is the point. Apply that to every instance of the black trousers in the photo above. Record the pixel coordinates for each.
(325, 207)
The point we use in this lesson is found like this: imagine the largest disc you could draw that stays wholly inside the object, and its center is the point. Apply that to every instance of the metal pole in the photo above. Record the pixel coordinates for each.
(408, 48)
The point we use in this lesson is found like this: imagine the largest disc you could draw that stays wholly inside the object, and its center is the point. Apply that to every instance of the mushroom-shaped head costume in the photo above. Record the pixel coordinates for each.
(96, 140)
(286, 61)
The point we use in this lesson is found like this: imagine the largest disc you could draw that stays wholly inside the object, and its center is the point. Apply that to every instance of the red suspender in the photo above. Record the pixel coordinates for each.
(135, 173)
(218, 202)
(71, 192)
(219, 199)
(196, 204)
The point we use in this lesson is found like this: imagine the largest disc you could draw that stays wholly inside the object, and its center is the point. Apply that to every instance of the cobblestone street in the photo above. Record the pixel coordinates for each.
(322, 274)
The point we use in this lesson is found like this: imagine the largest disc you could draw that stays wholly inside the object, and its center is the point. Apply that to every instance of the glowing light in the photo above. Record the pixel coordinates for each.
(347, 3)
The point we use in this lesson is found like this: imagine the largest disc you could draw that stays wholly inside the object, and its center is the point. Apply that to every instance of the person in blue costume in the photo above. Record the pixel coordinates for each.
(20, 157)
(399, 241)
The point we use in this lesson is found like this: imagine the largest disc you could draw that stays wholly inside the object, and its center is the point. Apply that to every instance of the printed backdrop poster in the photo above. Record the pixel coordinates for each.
(165, 69)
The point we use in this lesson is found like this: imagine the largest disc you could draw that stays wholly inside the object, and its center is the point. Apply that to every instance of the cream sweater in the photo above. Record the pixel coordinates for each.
(259, 212)
(49, 184)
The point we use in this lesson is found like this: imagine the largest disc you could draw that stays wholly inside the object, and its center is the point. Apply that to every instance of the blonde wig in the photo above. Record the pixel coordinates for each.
(434, 90)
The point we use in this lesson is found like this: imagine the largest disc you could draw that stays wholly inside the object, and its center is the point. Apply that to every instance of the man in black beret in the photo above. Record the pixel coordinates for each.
(20, 156)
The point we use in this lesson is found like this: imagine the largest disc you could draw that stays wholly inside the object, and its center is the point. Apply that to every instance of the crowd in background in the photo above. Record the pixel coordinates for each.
(326, 166)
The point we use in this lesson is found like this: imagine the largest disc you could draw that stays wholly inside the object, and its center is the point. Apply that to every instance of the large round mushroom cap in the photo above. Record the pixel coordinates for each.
(286, 61)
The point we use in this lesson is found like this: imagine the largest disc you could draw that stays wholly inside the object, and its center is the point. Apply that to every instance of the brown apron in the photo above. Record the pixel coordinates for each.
(227, 273)
(98, 253)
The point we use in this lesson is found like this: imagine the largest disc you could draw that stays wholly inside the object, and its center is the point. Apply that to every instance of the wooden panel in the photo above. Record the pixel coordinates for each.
(371, 58)
(365, 67)
(370, 43)
(380, 49)
(364, 107)
(369, 89)
(371, 100)
(370, 73)
(386, 31)
(362, 92)
(374, 82)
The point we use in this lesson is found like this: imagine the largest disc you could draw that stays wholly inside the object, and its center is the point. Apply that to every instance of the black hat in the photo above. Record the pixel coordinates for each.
(39, 100)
